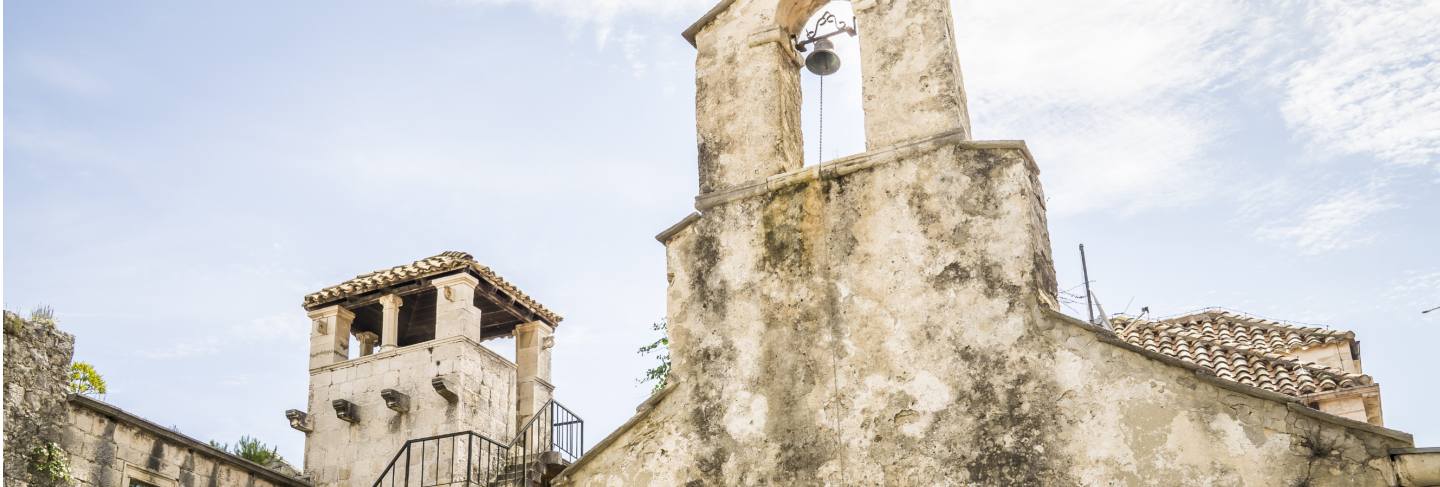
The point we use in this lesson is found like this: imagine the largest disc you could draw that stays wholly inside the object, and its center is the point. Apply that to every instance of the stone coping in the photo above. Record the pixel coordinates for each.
(377, 356)
(690, 32)
(1205, 375)
(1412, 451)
(112, 412)
(664, 236)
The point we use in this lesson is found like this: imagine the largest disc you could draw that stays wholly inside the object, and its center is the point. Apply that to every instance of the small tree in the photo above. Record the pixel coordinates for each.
(85, 380)
(251, 449)
(661, 347)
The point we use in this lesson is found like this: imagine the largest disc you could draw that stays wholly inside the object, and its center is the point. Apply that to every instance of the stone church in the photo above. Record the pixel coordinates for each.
(886, 318)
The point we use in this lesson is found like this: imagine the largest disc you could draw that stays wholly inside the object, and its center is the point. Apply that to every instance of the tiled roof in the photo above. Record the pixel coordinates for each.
(429, 266)
(1243, 349)
(1264, 335)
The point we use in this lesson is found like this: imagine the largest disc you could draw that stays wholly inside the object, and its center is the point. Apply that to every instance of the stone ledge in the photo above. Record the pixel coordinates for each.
(855, 163)
(665, 235)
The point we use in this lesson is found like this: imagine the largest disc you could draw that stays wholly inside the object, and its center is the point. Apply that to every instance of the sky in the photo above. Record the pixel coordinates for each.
(177, 175)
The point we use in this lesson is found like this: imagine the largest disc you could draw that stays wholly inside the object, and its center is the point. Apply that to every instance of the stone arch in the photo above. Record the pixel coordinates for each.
(747, 85)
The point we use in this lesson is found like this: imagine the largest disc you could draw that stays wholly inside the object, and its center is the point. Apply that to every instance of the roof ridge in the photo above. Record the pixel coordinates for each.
(1215, 311)
(443, 262)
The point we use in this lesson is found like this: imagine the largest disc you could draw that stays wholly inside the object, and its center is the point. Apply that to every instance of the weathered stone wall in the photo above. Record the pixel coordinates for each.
(37, 365)
(888, 319)
(343, 453)
(108, 447)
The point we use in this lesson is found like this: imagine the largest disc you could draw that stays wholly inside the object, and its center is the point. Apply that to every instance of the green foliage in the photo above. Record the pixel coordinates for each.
(85, 380)
(251, 449)
(659, 373)
(50, 461)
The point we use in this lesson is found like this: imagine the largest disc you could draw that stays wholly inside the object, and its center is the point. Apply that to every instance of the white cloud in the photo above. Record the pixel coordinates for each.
(1332, 224)
(1372, 85)
(1114, 98)
(1420, 290)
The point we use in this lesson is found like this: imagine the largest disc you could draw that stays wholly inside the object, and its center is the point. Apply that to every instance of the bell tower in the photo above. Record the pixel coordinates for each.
(420, 369)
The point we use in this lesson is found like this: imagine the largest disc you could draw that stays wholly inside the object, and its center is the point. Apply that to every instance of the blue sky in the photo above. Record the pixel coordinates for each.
(178, 174)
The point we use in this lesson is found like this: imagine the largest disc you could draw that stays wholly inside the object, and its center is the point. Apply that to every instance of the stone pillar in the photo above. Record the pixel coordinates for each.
(330, 335)
(910, 77)
(747, 103)
(455, 311)
(367, 341)
(533, 341)
(389, 322)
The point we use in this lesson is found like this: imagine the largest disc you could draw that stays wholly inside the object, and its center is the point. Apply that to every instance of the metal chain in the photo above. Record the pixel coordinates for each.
(820, 144)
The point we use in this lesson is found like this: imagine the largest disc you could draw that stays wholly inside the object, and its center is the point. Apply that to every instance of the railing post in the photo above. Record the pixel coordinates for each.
(469, 449)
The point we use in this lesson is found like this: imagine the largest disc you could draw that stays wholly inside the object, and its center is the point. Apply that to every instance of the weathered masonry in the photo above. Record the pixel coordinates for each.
(421, 382)
(889, 318)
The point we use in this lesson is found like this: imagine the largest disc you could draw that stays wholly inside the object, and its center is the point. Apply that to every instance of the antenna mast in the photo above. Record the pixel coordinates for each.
(1085, 272)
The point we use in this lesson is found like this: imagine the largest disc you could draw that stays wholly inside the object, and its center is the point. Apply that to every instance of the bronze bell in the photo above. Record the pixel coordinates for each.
(823, 61)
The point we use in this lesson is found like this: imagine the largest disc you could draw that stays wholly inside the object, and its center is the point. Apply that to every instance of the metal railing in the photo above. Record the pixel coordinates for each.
(465, 458)
(553, 428)
(553, 434)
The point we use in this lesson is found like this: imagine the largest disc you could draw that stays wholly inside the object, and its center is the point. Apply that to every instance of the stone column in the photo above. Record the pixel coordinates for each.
(389, 322)
(910, 77)
(747, 138)
(330, 335)
(533, 341)
(455, 311)
(367, 341)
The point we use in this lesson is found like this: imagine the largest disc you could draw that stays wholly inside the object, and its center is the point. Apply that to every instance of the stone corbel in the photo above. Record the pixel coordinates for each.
(444, 388)
(299, 420)
(396, 400)
(345, 410)
(548, 342)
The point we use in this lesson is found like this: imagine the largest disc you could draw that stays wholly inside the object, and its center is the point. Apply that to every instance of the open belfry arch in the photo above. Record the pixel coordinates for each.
(889, 318)
(421, 372)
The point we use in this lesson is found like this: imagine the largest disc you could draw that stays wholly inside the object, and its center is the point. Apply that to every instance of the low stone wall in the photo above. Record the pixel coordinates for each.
(37, 365)
(110, 447)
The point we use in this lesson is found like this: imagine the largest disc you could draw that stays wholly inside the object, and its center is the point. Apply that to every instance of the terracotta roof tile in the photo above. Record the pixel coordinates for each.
(427, 267)
(1243, 349)
(1259, 334)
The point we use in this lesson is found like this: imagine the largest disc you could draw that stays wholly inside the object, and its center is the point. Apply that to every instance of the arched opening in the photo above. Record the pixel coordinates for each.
(831, 112)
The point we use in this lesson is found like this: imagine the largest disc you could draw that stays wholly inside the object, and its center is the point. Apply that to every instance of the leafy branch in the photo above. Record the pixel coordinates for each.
(661, 347)
(85, 380)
